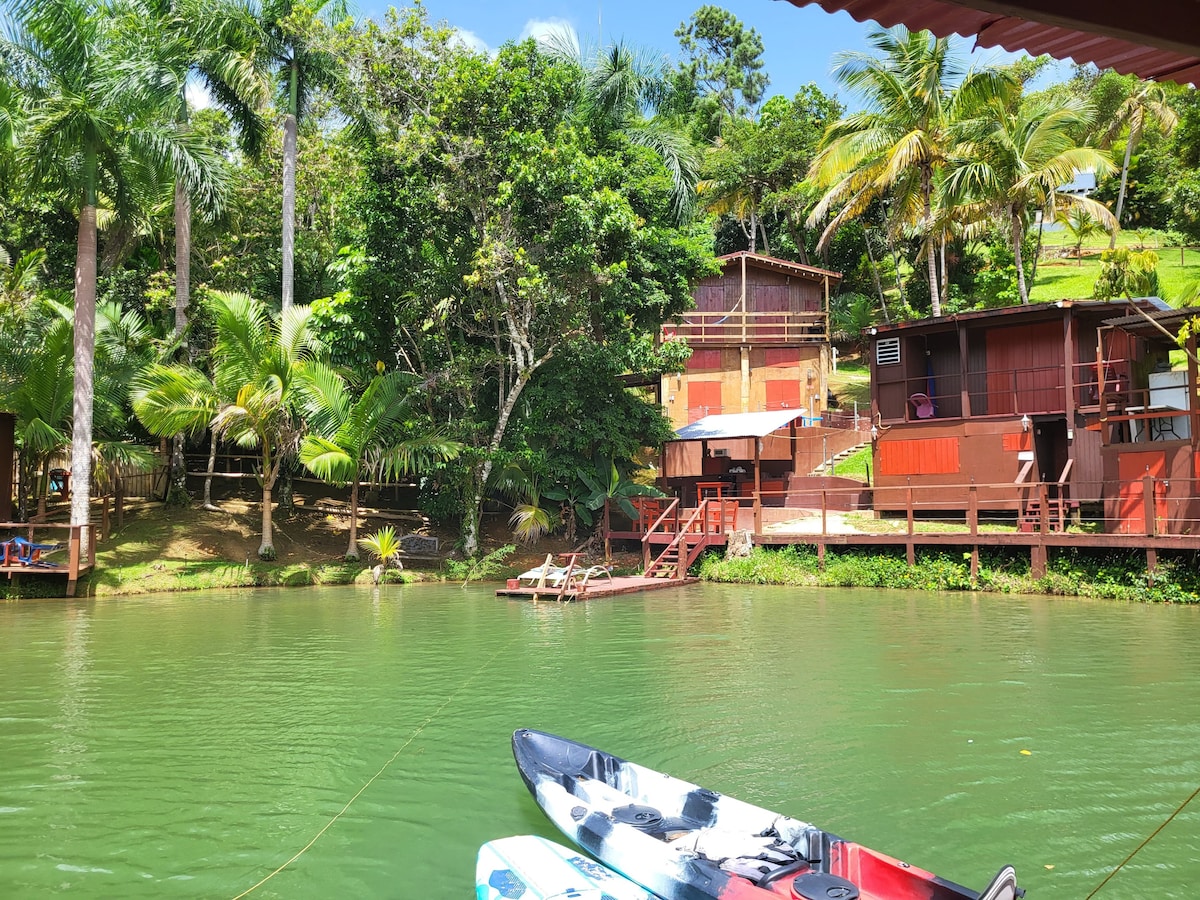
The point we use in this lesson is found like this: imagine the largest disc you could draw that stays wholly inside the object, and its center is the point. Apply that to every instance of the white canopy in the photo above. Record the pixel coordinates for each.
(737, 425)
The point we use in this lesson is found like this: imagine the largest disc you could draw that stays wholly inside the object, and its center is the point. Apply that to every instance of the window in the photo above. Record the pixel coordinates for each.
(887, 351)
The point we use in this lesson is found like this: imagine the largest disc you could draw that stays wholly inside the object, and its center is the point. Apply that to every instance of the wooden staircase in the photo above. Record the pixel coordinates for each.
(685, 539)
(1030, 520)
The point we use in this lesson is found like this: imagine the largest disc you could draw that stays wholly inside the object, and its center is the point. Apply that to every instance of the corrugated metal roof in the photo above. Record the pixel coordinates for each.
(1151, 324)
(737, 425)
(1157, 39)
(782, 265)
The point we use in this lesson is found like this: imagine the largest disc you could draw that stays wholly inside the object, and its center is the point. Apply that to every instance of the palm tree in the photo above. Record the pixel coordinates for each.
(89, 138)
(350, 436)
(620, 87)
(1015, 161)
(915, 90)
(258, 361)
(1146, 105)
(1079, 223)
(212, 43)
(303, 66)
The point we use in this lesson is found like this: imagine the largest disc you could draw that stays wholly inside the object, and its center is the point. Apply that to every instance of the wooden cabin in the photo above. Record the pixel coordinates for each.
(760, 341)
(1060, 395)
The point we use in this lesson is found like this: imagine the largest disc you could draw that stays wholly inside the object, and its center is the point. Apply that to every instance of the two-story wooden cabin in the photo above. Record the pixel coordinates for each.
(760, 341)
(758, 375)
(1068, 395)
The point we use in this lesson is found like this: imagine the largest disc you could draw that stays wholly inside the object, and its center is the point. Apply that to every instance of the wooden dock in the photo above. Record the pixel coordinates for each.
(594, 590)
(80, 560)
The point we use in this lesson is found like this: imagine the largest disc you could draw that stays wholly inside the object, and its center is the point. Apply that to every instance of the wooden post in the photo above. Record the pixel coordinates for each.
(821, 556)
(1149, 516)
(973, 509)
(73, 555)
(1043, 508)
(758, 524)
(908, 506)
(910, 553)
(974, 564)
(1193, 403)
(824, 510)
(964, 392)
(1037, 560)
(104, 520)
(1069, 370)
(607, 532)
(1151, 565)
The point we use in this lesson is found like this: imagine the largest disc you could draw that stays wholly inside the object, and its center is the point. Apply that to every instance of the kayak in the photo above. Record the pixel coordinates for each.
(684, 842)
(533, 868)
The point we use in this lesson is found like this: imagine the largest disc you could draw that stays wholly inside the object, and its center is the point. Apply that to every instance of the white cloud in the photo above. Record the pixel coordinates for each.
(197, 95)
(552, 32)
(471, 41)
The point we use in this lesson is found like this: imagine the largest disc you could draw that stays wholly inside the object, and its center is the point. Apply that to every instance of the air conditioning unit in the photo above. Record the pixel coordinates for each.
(720, 451)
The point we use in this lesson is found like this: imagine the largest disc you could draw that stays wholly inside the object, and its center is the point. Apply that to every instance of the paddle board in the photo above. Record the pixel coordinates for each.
(527, 867)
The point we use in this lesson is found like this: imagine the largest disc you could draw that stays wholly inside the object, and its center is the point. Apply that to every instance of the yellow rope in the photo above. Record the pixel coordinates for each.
(382, 768)
(1178, 810)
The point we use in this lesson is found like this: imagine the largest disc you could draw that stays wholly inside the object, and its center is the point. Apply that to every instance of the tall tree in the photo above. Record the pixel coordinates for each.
(514, 239)
(756, 169)
(915, 88)
(1146, 105)
(257, 360)
(621, 88)
(304, 65)
(89, 138)
(1016, 160)
(213, 44)
(724, 59)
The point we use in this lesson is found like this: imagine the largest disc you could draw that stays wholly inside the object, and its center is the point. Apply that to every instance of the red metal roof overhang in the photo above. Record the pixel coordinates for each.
(1156, 39)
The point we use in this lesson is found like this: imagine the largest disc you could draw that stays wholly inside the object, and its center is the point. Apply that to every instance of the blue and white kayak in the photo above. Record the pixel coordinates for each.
(684, 842)
(532, 868)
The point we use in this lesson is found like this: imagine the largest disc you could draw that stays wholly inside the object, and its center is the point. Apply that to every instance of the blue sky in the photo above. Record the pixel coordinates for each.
(800, 42)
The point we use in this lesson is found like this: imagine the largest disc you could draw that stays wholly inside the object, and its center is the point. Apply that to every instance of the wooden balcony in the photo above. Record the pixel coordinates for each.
(759, 328)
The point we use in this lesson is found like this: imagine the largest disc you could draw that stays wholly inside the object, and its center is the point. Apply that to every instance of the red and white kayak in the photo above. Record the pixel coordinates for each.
(684, 842)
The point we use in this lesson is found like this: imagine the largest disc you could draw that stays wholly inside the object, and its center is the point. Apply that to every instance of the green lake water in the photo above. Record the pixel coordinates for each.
(186, 745)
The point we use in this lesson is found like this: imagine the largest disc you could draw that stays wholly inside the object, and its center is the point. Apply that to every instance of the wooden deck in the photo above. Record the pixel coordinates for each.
(71, 561)
(595, 590)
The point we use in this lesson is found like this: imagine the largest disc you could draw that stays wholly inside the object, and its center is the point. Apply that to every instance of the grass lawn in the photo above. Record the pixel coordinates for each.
(1072, 279)
(852, 381)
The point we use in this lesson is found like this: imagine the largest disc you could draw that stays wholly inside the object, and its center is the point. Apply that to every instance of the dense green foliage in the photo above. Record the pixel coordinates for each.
(481, 247)
(1073, 572)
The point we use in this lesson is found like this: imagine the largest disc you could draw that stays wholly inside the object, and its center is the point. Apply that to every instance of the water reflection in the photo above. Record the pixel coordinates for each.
(186, 745)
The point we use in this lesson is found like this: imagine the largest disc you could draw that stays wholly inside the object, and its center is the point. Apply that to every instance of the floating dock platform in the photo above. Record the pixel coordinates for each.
(593, 590)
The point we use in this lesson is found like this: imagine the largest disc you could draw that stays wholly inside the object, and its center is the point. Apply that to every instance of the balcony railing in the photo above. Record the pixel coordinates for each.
(750, 328)
(1001, 392)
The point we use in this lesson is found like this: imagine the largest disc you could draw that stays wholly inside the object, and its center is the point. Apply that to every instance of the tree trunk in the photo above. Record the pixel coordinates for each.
(1112, 241)
(266, 550)
(945, 272)
(183, 257)
(875, 277)
(85, 354)
(484, 469)
(208, 475)
(1018, 239)
(289, 207)
(935, 302)
(352, 550)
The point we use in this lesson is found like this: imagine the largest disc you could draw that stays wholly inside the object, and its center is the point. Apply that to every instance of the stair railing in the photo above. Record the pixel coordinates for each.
(667, 515)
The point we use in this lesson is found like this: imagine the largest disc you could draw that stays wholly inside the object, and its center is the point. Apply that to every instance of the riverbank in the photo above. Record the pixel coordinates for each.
(1104, 574)
(167, 549)
(160, 549)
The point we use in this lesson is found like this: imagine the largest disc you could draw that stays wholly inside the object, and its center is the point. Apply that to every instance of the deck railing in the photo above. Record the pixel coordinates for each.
(81, 556)
(750, 327)
(1005, 392)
